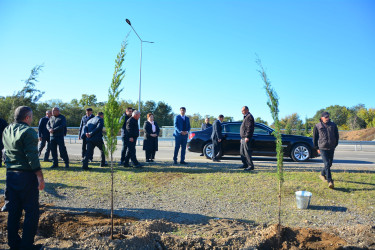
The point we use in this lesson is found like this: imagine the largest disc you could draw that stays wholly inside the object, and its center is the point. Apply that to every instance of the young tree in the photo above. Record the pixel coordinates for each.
(112, 114)
(273, 104)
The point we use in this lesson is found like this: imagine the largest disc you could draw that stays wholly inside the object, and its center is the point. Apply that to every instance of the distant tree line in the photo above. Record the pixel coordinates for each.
(347, 118)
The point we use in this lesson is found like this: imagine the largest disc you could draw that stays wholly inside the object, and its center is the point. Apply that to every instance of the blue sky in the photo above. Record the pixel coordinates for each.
(316, 53)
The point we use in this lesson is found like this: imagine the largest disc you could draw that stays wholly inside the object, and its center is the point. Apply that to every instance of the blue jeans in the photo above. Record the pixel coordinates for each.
(180, 141)
(327, 156)
(23, 194)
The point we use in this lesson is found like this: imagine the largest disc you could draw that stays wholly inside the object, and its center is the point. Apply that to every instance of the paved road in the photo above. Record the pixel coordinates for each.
(346, 158)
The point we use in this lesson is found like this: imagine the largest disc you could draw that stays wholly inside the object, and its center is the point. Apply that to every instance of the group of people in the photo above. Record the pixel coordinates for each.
(24, 177)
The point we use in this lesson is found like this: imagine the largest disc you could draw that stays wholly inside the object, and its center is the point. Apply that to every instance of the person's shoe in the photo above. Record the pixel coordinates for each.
(183, 162)
(66, 165)
(47, 160)
(243, 166)
(121, 163)
(104, 165)
(216, 160)
(151, 160)
(175, 162)
(86, 168)
(249, 168)
(139, 165)
(148, 161)
(201, 155)
(322, 177)
(330, 185)
(54, 166)
(126, 165)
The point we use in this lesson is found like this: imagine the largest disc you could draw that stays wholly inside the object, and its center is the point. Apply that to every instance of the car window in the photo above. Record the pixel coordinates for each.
(260, 131)
(232, 128)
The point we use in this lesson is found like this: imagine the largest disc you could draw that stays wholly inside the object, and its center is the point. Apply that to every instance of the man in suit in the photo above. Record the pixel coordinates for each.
(216, 137)
(246, 133)
(124, 118)
(181, 133)
(206, 124)
(3, 125)
(132, 130)
(93, 132)
(44, 136)
(84, 121)
(57, 129)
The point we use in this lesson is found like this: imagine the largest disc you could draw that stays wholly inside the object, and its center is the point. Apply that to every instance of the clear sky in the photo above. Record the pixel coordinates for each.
(316, 53)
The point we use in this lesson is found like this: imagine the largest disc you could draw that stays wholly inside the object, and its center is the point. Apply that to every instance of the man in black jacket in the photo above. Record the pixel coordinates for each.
(84, 121)
(206, 124)
(124, 118)
(216, 137)
(3, 125)
(57, 129)
(246, 133)
(326, 139)
(132, 130)
(44, 136)
(93, 132)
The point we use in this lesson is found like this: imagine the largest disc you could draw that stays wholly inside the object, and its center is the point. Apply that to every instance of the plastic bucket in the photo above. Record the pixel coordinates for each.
(303, 199)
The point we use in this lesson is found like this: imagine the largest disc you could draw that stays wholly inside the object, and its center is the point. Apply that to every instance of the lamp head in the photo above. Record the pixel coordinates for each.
(128, 21)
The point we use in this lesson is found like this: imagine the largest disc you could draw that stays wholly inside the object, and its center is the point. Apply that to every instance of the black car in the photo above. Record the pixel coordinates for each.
(299, 148)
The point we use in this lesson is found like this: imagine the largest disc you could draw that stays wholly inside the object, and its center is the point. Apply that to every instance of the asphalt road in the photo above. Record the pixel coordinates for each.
(346, 158)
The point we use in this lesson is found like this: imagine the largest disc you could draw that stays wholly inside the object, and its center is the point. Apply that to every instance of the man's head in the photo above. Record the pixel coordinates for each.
(23, 114)
(136, 114)
(245, 110)
(55, 111)
(207, 120)
(182, 111)
(129, 111)
(48, 113)
(100, 114)
(88, 111)
(221, 118)
(325, 117)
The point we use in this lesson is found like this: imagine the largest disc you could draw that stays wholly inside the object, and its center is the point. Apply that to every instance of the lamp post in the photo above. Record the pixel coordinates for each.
(140, 70)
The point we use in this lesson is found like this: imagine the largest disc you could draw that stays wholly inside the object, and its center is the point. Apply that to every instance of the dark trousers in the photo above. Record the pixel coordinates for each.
(246, 151)
(1, 153)
(90, 152)
(42, 144)
(327, 156)
(59, 141)
(124, 148)
(180, 141)
(131, 152)
(150, 154)
(23, 194)
(216, 146)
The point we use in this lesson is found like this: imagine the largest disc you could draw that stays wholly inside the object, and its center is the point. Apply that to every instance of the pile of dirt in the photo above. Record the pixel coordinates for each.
(59, 229)
(358, 135)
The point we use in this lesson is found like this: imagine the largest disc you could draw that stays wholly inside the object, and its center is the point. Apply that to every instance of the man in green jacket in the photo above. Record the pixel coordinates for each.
(24, 179)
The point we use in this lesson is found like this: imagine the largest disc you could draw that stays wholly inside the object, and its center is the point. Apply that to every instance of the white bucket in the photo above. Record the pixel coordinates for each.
(303, 199)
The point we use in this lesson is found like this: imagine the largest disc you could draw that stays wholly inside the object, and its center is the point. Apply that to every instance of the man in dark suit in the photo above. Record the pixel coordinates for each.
(132, 130)
(84, 121)
(3, 125)
(246, 133)
(181, 133)
(57, 129)
(93, 131)
(216, 137)
(206, 124)
(44, 136)
(124, 118)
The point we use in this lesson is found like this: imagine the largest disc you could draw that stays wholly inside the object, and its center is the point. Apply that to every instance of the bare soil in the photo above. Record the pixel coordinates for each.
(60, 229)
(358, 135)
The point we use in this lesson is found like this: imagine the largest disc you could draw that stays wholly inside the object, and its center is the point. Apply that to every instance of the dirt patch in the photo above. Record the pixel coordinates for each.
(60, 229)
(358, 135)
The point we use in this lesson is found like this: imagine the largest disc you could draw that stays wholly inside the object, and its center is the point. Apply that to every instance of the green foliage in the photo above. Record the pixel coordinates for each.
(88, 100)
(112, 110)
(260, 120)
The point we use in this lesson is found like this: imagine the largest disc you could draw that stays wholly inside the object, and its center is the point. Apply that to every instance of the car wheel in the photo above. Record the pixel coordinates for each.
(300, 153)
(208, 149)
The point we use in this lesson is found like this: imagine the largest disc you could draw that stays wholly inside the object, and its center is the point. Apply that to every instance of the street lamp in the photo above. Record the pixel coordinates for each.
(140, 69)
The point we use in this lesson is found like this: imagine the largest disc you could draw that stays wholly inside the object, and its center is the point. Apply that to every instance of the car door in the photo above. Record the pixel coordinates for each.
(263, 141)
(231, 141)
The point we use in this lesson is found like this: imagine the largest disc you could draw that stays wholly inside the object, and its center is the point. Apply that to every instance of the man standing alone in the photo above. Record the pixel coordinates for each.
(24, 178)
(44, 136)
(216, 137)
(57, 127)
(181, 133)
(246, 133)
(326, 139)
(84, 121)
